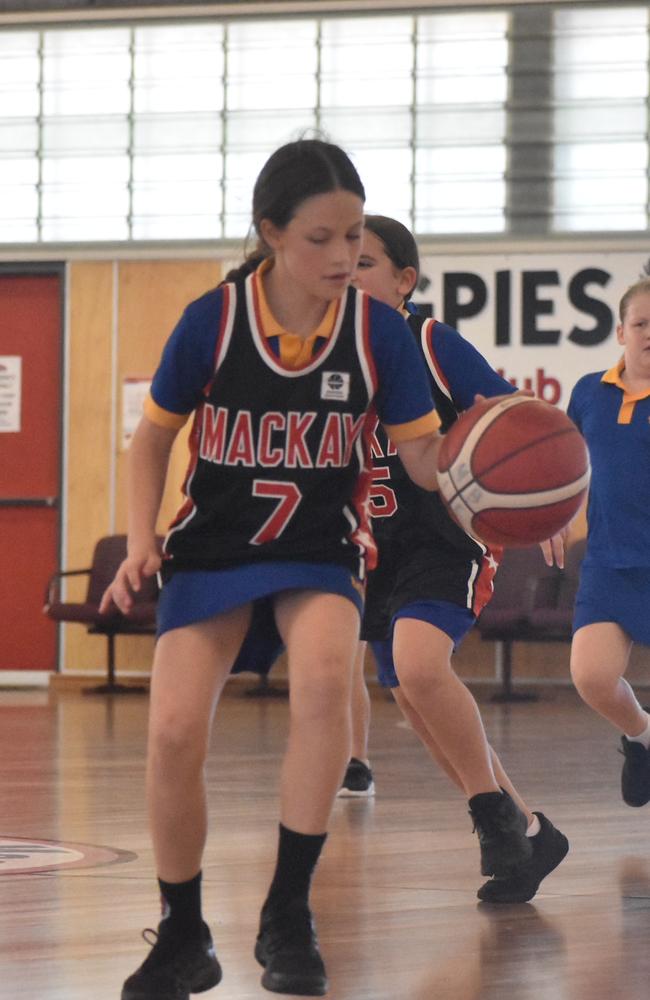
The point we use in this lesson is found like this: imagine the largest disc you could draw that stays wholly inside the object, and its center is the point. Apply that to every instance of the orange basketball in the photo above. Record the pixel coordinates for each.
(513, 470)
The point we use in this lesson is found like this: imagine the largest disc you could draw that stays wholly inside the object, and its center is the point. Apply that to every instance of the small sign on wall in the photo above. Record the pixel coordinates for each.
(10, 393)
(134, 393)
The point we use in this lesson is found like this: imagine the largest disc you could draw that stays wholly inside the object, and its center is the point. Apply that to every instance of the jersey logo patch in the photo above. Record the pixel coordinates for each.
(335, 385)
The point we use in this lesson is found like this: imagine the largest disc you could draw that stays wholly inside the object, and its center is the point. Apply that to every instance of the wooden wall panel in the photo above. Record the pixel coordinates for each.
(152, 296)
(138, 304)
(88, 496)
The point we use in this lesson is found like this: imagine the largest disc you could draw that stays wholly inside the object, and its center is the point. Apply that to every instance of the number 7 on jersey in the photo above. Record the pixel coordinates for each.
(288, 496)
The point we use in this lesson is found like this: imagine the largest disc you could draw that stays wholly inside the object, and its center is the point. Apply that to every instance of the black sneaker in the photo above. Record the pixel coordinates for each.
(549, 848)
(635, 777)
(174, 968)
(287, 947)
(501, 828)
(358, 781)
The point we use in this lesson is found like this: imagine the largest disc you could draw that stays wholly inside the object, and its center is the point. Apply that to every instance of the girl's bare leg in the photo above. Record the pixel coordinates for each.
(360, 704)
(428, 740)
(191, 665)
(599, 657)
(320, 632)
(422, 655)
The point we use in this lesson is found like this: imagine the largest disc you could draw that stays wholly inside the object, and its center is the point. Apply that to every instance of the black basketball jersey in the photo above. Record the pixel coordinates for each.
(398, 506)
(280, 458)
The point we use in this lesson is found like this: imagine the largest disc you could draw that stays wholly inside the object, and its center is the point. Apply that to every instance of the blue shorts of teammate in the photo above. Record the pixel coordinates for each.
(621, 596)
(451, 619)
(194, 595)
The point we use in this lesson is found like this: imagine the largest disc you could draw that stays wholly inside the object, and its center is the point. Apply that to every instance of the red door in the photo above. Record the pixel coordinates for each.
(30, 464)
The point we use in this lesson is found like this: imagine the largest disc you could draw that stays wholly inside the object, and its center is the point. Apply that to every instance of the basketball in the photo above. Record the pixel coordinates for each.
(513, 470)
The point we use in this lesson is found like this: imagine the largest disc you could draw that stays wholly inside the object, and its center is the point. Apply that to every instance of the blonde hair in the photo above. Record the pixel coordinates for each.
(641, 287)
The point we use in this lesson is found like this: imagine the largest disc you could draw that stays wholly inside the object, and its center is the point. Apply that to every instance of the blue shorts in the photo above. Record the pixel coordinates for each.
(621, 596)
(451, 619)
(194, 595)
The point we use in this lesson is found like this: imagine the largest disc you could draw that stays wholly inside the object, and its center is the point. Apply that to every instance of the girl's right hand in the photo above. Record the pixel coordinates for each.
(127, 581)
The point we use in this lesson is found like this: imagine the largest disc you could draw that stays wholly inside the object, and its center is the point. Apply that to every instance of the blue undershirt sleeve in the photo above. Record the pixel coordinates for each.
(403, 393)
(465, 368)
(187, 361)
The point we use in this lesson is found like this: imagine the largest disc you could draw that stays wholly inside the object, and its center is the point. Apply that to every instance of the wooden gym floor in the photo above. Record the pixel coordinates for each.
(395, 891)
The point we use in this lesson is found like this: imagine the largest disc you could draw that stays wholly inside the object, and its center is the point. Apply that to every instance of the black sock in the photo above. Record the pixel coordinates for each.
(298, 855)
(181, 902)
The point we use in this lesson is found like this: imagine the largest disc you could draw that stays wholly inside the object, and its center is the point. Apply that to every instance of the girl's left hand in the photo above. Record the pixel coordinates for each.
(553, 548)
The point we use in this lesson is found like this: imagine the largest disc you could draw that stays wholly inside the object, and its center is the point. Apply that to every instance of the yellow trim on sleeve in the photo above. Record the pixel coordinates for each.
(164, 418)
(427, 424)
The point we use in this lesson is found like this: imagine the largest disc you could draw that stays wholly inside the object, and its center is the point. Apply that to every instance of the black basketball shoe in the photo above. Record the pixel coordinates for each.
(635, 777)
(550, 847)
(287, 947)
(501, 828)
(174, 967)
(358, 781)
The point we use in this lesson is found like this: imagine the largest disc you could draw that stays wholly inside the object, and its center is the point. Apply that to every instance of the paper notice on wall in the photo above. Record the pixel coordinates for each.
(134, 393)
(10, 393)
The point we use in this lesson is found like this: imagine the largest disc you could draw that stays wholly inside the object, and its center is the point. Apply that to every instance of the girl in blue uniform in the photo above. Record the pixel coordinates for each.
(284, 369)
(431, 583)
(612, 410)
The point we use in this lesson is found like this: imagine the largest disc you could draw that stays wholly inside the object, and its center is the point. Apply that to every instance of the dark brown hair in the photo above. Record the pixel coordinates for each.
(399, 244)
(293, 173)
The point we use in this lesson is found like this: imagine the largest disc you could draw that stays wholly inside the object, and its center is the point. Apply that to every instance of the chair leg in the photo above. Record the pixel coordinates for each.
(503, 670)
(111, 687)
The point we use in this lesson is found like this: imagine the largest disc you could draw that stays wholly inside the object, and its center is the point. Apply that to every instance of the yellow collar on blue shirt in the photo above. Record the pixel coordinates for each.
(615, 377)
(294, 349)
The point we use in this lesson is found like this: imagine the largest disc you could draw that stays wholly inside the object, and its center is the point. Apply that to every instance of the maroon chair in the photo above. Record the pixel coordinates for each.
(141, 620)
(523, 584)
(556, 621)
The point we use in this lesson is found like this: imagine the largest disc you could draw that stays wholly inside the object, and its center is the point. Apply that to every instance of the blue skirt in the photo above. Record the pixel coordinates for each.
(190, 596)
(621, 596)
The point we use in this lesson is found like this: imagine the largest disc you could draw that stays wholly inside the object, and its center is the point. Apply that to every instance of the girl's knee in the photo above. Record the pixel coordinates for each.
(324, 695)
(177, 745)
(417, 677)
(590, 682)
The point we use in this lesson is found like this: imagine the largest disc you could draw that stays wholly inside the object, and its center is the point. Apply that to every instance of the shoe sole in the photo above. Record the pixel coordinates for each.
(524, 895)
(636, 803)
(286, 984)
(349, 793)
(277, 983)
(631, 800)
(207, 981)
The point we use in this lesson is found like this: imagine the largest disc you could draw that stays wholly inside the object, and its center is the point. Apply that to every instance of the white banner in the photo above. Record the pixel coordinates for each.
(541, 319)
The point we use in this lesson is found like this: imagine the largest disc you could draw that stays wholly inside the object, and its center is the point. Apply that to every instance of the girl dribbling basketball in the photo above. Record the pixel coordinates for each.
(281, 367)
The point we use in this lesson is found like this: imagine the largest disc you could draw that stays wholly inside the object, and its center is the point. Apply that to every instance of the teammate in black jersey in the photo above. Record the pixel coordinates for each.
(431, 582)
(284, 368)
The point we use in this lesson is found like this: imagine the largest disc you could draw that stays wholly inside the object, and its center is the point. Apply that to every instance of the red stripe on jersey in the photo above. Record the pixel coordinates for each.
(188, 506)
(257, 328)
(368, 355)
(427, 330)
(226, 308)
(363, 536)
(484, 583)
